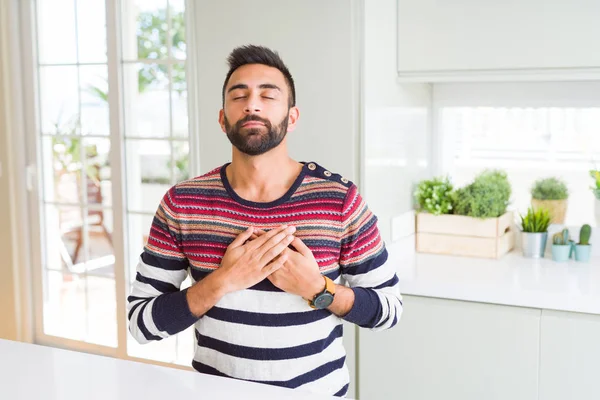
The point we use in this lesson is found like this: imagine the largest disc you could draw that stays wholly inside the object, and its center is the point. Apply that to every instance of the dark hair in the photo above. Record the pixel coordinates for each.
(251, 54)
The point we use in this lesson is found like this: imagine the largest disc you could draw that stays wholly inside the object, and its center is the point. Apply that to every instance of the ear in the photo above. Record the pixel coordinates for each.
(222, 120)
(293, 116)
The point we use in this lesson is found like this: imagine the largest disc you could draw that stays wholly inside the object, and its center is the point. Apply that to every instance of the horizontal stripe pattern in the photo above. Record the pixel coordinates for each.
(263, 334)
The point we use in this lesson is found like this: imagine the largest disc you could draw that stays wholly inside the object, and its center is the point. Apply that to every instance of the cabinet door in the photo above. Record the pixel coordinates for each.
(570, 356)
(490, 35)
(445, 349)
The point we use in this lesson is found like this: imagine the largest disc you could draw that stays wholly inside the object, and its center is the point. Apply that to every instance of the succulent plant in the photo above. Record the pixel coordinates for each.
(561, 238)
(535, 221)
(584, 234)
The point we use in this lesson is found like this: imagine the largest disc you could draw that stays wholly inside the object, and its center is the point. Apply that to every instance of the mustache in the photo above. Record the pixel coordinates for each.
(253, 117)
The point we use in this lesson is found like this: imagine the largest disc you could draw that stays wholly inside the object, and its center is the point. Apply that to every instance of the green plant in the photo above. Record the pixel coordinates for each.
(434, 195)
(596, 189)
(561, 238)
(549, 189)
(535, 221)
(584, 234)
(487, 196)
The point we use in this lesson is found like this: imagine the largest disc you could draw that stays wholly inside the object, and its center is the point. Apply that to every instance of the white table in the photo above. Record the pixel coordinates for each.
(36, 372)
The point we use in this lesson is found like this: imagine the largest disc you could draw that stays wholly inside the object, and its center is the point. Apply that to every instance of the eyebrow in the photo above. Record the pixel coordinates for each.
(261, 86)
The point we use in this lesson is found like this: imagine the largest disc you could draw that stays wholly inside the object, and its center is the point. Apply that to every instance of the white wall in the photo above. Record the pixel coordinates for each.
(396, 121)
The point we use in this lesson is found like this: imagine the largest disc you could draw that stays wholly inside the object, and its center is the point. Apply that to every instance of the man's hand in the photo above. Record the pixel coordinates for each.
(300, 272)
(247, 263)
(244, 264)
(300, 275)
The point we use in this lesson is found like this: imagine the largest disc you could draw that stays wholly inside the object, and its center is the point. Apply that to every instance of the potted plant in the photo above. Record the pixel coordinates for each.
(595, 174)
(551, 194)
(561, 246)
(434, 196)
(584, 248)
(487, 196)
(472, 221)
(534, 227)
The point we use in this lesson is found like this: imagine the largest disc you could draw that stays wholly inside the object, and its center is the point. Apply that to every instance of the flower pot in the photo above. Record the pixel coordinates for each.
(582, 252)
(534, 244)
(557, 209)
(561, 252)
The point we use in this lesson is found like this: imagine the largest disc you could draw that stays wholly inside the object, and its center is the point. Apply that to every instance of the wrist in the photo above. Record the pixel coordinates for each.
(317, 286)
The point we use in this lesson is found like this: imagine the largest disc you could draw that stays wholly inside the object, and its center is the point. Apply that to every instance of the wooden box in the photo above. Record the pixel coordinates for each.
(460, 235)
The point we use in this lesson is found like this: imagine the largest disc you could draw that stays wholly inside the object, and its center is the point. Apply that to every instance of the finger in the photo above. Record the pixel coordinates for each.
(257, 233)
(270, 239)
(242, 237)
(255, 244)
(302, 248)
(273, 248)
(274, 266)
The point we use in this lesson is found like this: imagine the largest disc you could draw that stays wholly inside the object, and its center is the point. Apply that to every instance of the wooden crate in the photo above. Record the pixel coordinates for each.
(460, 235)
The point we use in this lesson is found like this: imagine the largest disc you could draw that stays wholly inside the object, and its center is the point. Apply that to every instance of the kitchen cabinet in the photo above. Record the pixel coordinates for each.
(452, 350)
(570, 356)
(465, 40)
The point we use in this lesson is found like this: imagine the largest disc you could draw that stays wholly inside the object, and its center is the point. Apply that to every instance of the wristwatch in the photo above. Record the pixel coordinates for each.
(325, 298)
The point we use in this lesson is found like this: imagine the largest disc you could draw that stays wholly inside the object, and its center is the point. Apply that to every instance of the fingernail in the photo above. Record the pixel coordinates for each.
(291, 229)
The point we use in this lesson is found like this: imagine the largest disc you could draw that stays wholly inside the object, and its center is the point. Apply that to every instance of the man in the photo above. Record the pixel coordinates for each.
(268, 242)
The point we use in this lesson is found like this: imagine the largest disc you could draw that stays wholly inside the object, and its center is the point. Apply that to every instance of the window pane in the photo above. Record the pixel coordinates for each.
(139, 230)
(65, 305)
(146, 100)
(178, 40)
(98, 172)
(179, 103)
(181, 152)
(148, 173)
(91, 29)
(62, 237)
(102, 310)
(59, 100)
(144, 29)
(529, 144)
(94, 100)
(56, 32)
(61, 169)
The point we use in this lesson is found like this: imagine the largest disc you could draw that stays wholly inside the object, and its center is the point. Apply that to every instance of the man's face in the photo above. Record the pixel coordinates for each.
(256, 115)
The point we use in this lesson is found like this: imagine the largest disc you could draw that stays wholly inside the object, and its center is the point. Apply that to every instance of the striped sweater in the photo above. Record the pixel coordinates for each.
(263, 334)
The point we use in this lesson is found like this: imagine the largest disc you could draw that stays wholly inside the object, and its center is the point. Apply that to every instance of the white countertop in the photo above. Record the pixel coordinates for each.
(36, 372)
(512, 280)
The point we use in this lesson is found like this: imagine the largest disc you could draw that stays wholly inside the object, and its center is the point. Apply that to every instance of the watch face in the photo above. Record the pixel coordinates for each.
(323, 301)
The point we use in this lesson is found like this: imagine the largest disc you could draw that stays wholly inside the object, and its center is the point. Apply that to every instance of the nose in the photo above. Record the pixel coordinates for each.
(253, 105)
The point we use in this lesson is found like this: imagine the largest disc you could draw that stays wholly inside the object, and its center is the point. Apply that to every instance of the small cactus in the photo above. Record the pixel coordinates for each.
(557, 239)
(565, 234)
(561, 238)
(584, 234)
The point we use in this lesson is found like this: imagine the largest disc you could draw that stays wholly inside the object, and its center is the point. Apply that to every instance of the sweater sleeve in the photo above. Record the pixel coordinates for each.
(365, 267)
(157, 308)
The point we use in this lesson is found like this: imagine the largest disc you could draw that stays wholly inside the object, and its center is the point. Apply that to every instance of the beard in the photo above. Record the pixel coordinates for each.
(253, 141)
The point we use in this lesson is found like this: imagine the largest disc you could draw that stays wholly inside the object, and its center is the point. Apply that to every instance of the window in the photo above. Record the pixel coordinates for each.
(81, 263)
(531, 130)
